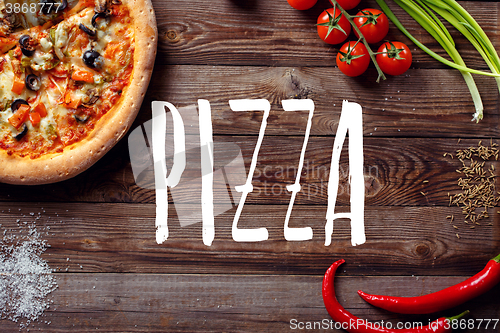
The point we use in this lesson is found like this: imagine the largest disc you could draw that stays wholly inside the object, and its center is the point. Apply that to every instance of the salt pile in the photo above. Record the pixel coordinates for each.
(25, 278)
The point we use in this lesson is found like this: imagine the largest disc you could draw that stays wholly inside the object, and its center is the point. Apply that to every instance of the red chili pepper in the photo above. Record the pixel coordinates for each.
(443, 299)
(353, 324)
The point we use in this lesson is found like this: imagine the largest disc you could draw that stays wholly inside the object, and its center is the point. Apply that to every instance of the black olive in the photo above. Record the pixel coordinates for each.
(21, 134)
(26, 47)
(81, 119)
(24, 39)
(96, 16)
(63, 5)
(92, 59)
(17, 103)
(27, 53)
(88, 31)
(33, 82)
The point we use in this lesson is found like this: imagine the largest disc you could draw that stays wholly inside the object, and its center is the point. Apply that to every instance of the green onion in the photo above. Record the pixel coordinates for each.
(422, 12)
(429, 22)
(457, 16)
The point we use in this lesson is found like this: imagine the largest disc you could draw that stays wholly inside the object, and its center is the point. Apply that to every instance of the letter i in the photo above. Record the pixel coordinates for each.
(207, 171)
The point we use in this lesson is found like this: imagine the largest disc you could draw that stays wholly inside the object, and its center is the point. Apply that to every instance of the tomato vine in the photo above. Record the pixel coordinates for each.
(372, 54)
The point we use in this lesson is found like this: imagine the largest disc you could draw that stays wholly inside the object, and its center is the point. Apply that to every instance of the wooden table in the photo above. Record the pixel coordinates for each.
(114, 277)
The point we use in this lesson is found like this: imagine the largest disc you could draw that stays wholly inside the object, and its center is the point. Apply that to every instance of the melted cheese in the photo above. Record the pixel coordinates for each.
(6, 79)
(46, 44)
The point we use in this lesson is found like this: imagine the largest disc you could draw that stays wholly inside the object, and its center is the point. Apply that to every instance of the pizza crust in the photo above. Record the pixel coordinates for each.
(81, 155)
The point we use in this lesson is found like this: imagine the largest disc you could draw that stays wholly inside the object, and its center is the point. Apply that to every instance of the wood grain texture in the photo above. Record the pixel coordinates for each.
(266, 32)
(235, 303)
(428, 103)
(114, 277)
(397, 171)
(120, 238)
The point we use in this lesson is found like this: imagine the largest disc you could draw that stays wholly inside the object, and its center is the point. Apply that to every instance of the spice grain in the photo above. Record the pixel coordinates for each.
(477, 183)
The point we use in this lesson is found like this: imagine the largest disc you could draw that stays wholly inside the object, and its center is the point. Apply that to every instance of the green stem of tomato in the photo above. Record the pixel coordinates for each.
(372, 54)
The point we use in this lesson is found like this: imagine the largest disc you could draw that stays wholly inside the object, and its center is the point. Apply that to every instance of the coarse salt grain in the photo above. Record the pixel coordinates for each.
(25, 278)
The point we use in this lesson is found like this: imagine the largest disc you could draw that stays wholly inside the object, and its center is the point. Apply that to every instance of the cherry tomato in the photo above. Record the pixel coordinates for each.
(394, 58)
(348, 4)
(302, 4)
(373, 24)
(353, 58)
(333, 29)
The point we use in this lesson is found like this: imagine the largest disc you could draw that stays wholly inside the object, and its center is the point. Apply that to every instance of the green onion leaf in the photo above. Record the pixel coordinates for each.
(424, 12)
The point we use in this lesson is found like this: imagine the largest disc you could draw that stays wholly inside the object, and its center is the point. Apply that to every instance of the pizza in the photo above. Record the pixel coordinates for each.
(73, 75)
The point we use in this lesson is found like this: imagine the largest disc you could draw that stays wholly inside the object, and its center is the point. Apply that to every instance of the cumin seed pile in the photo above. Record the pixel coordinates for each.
(477, 183)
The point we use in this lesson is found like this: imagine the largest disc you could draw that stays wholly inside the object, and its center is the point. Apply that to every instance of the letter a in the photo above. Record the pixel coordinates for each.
(351, 119)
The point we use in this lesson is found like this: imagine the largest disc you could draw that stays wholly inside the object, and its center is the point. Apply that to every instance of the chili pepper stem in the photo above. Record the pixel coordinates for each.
(463, 314)
(497, 258)
(381, 74)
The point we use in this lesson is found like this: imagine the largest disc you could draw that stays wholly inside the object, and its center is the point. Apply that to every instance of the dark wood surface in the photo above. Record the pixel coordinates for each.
(114, 277)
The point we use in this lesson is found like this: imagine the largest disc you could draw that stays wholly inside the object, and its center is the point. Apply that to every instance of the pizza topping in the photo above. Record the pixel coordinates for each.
(43, 61)
(17, 103)
(35, 118)
(81, 118)
(33, 82)
(5, 27)
(22, 133)
(9, 22)
(93, 59)
(27, 45)
(72, 101)
(101, 6)
(93, 96)
(97, 16)
(17, 85)
(40, 109)
(60, 39)
(83, 76)
(46, 44)
(74, 72)
(20, 115)
(63, 5)
(88, 31)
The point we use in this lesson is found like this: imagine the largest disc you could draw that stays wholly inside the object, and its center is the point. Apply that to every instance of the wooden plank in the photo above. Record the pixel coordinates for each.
(435, 100)
(114, 277)
(275, 34)
(120, 238)
(235, 303)
(397, 171)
